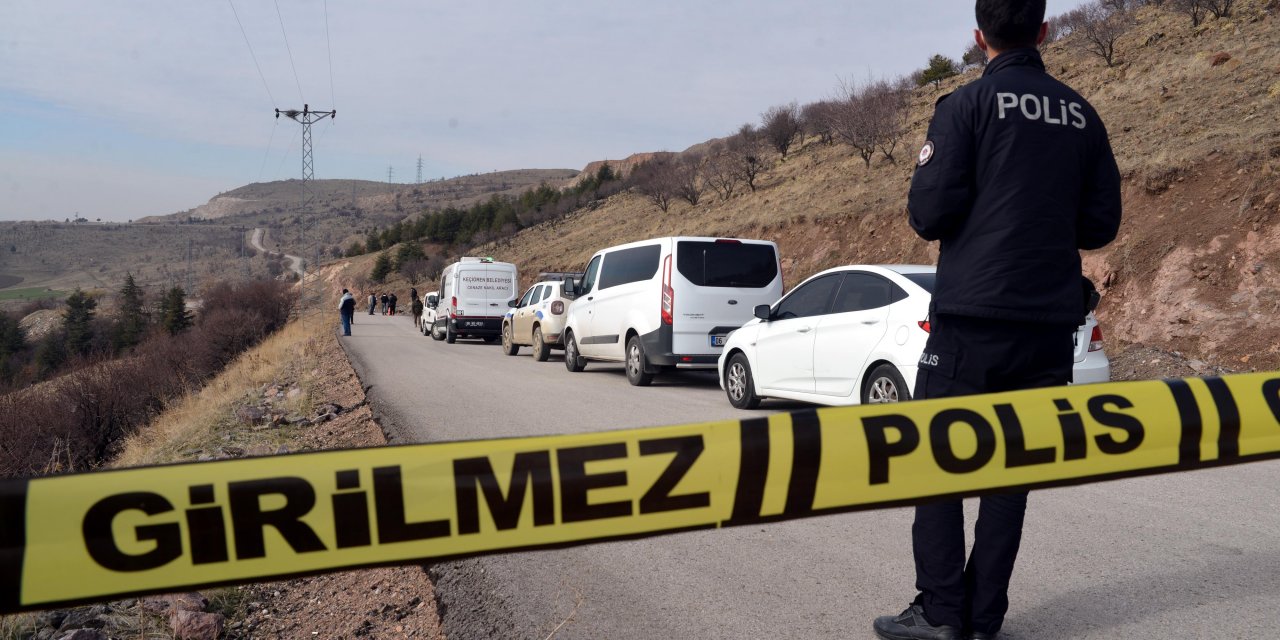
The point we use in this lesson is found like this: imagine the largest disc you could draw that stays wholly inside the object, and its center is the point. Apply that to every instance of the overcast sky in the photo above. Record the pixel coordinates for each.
(142, 107)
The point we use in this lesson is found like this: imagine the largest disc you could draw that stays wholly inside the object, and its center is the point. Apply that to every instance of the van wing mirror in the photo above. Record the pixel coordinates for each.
(569, 288)
(763, 311)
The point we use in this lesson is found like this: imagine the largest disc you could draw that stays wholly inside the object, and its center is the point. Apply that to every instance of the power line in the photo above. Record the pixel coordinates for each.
(286, 153)
(290, 50)
(329, 48)
(267, 153)
(251, 53)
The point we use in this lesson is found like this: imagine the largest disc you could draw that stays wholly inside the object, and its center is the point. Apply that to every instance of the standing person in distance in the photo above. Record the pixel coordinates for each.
(384, 304)
(1016, 177)
(416, 307)
(391, 304)
(347, 308)
(373, 302)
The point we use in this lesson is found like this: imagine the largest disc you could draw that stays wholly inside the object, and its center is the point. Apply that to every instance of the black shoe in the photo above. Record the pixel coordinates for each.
(982, 635)
(912, 625)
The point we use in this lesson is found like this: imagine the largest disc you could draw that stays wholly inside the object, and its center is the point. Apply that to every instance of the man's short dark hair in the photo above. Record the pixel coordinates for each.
(1010, 24)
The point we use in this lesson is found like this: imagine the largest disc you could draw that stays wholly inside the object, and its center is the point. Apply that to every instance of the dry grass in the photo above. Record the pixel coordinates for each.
(204, 420)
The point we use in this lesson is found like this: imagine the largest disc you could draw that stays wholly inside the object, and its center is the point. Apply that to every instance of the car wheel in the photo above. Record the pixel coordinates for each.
(436, 334)
(885, 385)
(541, 351)
(509, 345)
(636, 363)
(738, 383)
(573, 360)
(449, 336)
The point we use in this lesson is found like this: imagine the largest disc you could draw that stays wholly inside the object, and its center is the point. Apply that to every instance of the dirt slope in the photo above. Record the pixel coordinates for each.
(1196, 266)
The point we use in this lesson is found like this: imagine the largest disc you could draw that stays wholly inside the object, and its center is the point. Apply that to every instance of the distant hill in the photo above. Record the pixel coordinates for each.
(209, 241)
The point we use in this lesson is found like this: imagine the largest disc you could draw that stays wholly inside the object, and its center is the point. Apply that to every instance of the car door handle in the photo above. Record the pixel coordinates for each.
(804, 329)
(870, 322)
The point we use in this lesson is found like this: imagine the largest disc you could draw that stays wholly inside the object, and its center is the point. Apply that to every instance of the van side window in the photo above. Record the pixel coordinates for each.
(630, 265)
(589, 280)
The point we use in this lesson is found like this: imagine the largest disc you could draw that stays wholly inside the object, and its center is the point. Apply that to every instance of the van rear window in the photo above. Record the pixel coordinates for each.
(727, 264)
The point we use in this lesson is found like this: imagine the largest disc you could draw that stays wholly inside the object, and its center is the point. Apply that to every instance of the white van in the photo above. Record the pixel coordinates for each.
(473, 299)
(667, 303)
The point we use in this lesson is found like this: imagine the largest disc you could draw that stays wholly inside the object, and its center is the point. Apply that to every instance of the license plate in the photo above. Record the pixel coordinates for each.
(475, 324)
(718, 341)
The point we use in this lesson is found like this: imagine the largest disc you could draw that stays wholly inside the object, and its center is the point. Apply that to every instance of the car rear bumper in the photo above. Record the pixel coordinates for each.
(658, 351)
(476, 326)
(1095, 367)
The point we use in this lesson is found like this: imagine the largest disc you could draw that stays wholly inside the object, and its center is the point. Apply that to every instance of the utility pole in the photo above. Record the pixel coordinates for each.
(419, 168)
(390, 171)
(306, 118)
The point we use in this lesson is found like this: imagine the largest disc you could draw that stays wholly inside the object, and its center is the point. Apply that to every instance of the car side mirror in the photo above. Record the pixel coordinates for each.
(763, 311)
(569, 288)
(511, 303)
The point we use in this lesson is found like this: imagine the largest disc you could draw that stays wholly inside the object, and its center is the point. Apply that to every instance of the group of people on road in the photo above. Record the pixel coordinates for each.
(384, 303)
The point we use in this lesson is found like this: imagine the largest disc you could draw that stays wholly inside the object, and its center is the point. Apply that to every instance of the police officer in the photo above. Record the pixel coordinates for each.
(1016, 177)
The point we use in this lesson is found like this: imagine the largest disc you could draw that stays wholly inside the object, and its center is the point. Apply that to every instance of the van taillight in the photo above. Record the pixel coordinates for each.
(668, 294)
(1095, 340)
(453, 307)
(557, 307)
(924, 324)
(728, 241)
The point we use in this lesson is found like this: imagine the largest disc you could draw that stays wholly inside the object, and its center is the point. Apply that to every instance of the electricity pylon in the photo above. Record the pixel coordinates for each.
(306, 118)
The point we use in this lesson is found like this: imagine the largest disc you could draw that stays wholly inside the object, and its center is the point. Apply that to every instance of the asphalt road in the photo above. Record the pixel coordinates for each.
(294, 262)
(1192, 555)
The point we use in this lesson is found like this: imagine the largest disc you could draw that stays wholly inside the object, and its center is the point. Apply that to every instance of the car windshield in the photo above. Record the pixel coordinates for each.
(923, 280)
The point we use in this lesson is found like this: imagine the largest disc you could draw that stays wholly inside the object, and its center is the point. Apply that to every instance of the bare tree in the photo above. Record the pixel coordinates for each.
(973, 56)
(816, 117)
(747, 151)
(888, 103)
(1220, 8)
(1196, 9)
(781, 127)
(854, 122)
(1102, 26)
(656, 180)
(414, 270)
(688, 175)
(718, 171)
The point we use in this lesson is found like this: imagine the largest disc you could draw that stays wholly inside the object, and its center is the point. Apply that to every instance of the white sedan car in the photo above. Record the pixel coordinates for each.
(852, 335)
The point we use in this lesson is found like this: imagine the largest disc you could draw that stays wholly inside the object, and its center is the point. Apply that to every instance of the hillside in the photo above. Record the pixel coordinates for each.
(1196, 267)
(43, 259)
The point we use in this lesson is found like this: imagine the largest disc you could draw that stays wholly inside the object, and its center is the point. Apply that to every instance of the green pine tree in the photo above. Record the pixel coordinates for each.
(174, 309)
(131, 322)
(940, 68)
(381, 267)
(77, 322)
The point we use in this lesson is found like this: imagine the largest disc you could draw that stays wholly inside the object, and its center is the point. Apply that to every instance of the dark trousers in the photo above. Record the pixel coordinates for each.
(346, 322)
(967, 356)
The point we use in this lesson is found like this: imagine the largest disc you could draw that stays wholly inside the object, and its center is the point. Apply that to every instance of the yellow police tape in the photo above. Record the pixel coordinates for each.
(96, 536)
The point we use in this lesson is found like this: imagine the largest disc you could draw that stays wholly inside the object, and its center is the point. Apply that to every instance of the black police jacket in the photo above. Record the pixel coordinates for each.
(1016, 177)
